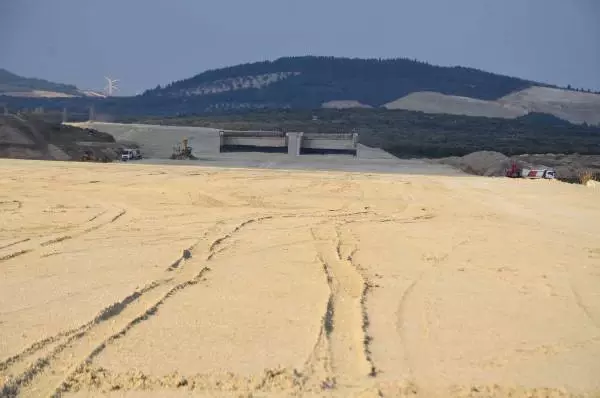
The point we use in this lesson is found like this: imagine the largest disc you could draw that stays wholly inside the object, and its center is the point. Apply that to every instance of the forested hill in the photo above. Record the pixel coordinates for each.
(311, 81)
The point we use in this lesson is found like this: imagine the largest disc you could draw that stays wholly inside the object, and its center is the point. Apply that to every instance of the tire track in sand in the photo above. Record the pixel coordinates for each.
(219, 245)
(343, 320)
(346, 249)
(59, 358)
(20, 368)
(15, 243)
(317, 373)
(30, 245)
(433, 263)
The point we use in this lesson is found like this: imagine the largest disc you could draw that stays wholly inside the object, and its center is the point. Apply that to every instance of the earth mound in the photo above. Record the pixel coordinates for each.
(28, 137)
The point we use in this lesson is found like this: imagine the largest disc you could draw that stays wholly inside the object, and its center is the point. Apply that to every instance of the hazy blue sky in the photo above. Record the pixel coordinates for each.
(147, 42)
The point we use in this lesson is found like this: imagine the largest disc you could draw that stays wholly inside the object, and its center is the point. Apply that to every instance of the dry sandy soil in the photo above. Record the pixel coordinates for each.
(148, 280)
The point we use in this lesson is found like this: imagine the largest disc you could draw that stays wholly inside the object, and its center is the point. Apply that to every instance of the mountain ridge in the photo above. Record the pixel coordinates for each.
(309, 81)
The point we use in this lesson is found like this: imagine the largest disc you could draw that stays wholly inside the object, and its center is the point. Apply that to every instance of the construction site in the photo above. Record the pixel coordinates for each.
(31, 137)
(160, 144)
(341, 151)
(241, 199)
(186, 261)
(156, 141)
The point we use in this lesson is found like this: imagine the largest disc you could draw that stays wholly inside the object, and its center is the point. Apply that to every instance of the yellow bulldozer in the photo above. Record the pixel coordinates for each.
(183, 151)
(88, 156)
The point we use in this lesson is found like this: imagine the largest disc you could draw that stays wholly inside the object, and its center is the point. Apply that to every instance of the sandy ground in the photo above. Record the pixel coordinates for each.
(372, 161)
(154, 280)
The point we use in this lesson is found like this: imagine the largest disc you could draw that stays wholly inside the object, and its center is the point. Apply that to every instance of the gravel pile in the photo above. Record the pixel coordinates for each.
(494, 164)
(30, 137)
(483, 163)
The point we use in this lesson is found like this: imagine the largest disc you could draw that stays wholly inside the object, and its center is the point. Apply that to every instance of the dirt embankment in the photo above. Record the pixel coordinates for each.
(33, 138)
(494, 164)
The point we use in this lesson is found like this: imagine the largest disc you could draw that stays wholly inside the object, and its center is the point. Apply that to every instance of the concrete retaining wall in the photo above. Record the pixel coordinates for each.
(346, 142)
(295, 142)
(269, 139)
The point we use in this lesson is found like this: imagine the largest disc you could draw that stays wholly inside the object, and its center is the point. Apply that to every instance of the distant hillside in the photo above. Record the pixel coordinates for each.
(574, 106)
(342, 83)
(309, 82)
(430, 102)
(15, 85)
(328, 82)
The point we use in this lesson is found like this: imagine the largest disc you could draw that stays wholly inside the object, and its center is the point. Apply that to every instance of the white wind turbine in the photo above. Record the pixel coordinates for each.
(111, 86)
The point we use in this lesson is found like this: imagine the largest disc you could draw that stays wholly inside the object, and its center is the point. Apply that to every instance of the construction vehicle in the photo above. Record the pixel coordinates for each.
(130, 154)
(534, 173)
(183, 151)
(88, 156)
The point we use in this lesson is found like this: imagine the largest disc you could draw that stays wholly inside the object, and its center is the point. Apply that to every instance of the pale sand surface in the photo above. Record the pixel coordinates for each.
(297, 284)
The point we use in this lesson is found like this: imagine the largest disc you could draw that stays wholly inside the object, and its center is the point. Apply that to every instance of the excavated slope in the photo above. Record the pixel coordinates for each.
(576, 107)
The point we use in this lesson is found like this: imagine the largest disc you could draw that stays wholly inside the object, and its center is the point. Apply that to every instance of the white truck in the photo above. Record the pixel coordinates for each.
(516, 172)
(538, 173)
(131, 154)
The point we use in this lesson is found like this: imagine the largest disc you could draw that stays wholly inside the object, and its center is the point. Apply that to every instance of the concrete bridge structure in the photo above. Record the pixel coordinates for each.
(157, 141)
(294, 143)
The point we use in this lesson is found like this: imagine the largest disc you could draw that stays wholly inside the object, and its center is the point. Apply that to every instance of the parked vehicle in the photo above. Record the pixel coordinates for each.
(538, 173)
(516, 172)
(131, 154)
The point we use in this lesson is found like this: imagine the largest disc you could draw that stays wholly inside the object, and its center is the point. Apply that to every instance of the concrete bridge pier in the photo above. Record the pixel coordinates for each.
(294, 142)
